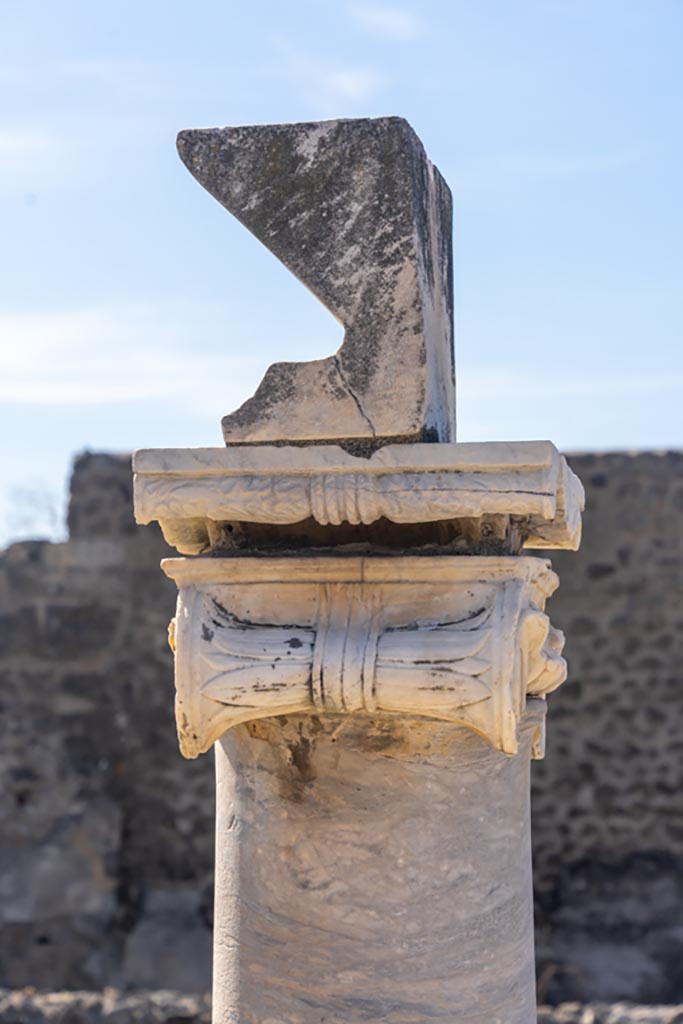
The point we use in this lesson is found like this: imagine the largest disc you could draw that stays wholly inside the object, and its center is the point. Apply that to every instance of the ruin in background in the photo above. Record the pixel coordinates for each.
(110, 884)
(95, 900)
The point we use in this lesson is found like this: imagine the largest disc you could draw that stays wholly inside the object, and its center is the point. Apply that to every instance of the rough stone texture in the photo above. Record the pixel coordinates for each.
(374, 246)
(109, 1007)
(602, 1013)
(192, 492)
(607, 807)
(126, 836)
(261, 637)
(341, 893)
(95, 828)
(113, 1007)
(100, 499)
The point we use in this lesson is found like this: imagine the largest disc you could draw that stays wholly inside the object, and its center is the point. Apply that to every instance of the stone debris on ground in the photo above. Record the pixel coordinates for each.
(26, 1006)
(604, 1013)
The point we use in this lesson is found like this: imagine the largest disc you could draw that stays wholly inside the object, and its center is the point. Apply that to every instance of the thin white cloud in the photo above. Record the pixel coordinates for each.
(484, 384)
(329, 88)
(351, 83)
(104, 356)
(67, 152)
(390, 22)
(106, 81)
(134, 79)
(331, 91)
(584, 408)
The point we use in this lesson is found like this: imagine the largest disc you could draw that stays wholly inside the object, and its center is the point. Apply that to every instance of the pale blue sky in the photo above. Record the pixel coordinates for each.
(134, 312)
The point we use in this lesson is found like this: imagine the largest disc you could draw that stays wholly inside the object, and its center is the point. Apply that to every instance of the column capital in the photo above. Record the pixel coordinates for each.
(464, 640)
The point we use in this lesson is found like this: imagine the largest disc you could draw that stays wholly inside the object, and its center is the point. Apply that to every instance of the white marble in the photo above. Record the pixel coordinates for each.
(185, 489)
(372, 868)
(457, 639)
(373, 713)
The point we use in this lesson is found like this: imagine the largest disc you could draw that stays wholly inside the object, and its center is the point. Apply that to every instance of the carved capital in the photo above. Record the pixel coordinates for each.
(457, 639)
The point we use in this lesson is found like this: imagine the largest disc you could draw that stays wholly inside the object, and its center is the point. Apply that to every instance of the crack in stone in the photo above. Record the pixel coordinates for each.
(353, 395)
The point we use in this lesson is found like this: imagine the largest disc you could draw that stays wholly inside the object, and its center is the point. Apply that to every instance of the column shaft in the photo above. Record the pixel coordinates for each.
(372, 868)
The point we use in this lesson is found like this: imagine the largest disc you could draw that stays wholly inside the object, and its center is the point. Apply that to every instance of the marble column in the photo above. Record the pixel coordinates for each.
(372, 868)
(360, 631)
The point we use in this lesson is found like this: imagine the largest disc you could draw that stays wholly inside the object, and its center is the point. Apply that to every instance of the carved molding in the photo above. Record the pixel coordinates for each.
(531, 481)
(457, 639)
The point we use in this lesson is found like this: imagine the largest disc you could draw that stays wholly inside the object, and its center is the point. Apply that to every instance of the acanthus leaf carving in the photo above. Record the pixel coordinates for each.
(474, 668)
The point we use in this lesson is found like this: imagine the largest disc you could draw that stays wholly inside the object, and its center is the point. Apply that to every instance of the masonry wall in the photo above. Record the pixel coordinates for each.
(608, 799)
(106, 833)
(106, 850)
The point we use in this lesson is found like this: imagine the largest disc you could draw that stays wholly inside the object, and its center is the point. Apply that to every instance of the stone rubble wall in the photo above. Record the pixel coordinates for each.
(106, 833)
(106, 849)
(607, 804)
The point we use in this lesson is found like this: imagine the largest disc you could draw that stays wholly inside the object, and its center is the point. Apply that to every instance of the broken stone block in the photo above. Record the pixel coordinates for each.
(357, 212)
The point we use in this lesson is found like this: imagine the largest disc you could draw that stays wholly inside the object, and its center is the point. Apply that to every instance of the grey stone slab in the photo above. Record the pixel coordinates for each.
(357, 212)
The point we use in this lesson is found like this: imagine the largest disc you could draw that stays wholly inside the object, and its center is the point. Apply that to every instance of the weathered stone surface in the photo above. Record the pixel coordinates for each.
(190, 491)
(100, 497)
(435, 925)
(171, 943)
(608, 818)
(87, 748)
(341, 893)
(355, 209)
(605, 1013)
(110, 1007)
(463, 640)
(158, 1007)
(608, 813)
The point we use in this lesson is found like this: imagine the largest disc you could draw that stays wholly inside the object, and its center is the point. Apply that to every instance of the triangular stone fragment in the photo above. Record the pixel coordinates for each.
(358, 213)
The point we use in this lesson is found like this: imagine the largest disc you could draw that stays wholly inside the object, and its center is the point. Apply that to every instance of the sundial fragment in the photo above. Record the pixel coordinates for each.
(360, 632)
(360, 215)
